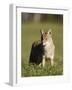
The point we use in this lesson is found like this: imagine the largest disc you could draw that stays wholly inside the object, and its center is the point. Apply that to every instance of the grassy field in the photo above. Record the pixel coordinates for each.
(31, 33)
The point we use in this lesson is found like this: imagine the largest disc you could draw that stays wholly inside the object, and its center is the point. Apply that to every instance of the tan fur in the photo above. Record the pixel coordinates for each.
(49, 48)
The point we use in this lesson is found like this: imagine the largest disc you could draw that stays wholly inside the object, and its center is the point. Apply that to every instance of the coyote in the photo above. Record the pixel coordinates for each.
(43, 49)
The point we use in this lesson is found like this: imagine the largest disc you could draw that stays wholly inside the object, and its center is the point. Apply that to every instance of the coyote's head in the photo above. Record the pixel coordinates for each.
(46, 37)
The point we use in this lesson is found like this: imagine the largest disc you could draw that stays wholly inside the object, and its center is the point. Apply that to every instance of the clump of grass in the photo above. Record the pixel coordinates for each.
(48, 70)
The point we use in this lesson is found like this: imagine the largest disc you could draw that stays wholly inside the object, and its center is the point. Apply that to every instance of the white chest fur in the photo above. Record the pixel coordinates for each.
(49, 50)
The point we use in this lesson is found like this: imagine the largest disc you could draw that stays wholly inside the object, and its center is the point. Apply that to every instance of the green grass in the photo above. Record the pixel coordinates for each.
(30, 33)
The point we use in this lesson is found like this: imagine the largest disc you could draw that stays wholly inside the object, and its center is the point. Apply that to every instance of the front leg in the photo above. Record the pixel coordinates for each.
(43, 61)
(52, 62)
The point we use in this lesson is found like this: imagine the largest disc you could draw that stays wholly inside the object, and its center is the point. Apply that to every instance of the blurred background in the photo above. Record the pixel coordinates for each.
(37, 17)
(31, 24)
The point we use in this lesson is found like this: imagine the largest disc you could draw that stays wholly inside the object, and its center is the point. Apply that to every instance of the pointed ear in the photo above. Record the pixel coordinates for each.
(50, 32)
(41, 31)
